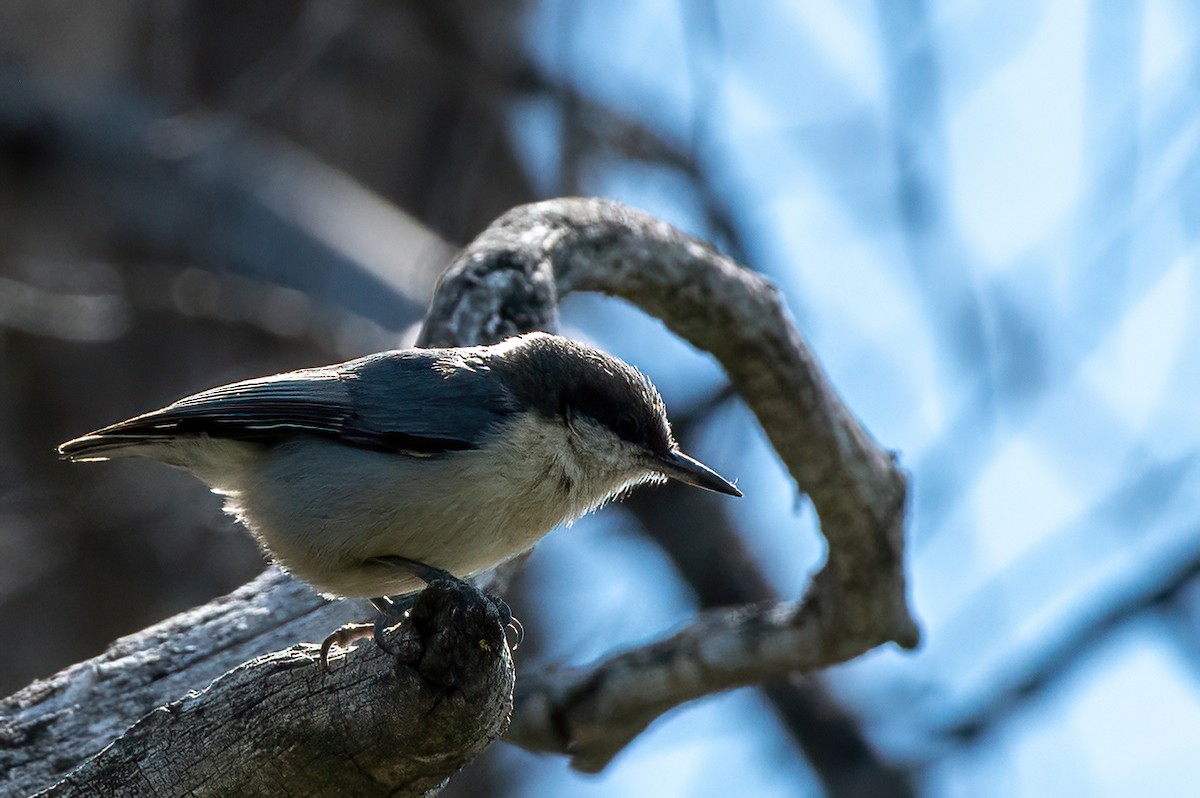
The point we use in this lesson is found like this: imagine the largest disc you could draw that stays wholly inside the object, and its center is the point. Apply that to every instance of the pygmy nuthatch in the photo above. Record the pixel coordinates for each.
(456, 458)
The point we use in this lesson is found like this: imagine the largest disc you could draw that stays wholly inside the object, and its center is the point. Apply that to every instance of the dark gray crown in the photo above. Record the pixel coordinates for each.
(558, 378)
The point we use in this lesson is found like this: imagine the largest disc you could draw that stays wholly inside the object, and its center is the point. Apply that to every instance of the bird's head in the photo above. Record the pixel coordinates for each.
(613, 415)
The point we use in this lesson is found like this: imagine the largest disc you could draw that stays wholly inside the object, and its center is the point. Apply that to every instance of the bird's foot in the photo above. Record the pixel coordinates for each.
(395, 610)
(342, 638)
(392, 612)
(430, 574)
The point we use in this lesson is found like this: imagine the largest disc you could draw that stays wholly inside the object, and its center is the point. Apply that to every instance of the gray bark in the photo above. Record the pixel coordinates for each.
(277, 724)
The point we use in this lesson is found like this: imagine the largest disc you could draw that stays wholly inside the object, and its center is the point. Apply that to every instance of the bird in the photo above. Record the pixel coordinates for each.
(363, 478)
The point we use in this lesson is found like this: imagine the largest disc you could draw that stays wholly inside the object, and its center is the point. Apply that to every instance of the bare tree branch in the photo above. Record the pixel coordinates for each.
(53, 724)
(514, 271)
(374, 725)
(277, 725)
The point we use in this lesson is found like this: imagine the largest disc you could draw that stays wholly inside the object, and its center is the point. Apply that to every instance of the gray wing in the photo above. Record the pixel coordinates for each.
(417, 401)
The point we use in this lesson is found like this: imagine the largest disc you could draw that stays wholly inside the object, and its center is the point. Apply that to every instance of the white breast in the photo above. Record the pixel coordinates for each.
(322, 509)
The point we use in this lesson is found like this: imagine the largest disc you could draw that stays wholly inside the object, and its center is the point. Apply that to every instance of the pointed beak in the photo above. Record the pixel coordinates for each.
(678, 465)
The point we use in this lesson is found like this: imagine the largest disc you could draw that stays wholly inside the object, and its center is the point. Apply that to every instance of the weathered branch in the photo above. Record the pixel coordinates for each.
(278, 725)
(371, 726)
(508, 281)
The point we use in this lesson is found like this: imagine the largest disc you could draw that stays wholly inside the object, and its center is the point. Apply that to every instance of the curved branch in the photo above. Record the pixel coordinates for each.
(508, 279)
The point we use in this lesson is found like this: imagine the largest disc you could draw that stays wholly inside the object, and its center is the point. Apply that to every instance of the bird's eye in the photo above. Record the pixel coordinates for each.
(626, 426)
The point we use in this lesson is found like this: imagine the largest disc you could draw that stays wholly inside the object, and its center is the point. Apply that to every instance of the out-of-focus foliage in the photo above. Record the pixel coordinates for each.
(982, 214)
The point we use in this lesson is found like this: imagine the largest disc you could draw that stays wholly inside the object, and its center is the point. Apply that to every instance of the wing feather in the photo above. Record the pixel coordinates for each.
(418, 401)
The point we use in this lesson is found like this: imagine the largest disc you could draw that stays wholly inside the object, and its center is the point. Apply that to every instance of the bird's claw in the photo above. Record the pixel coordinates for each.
(509, 621)
(518, 629)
